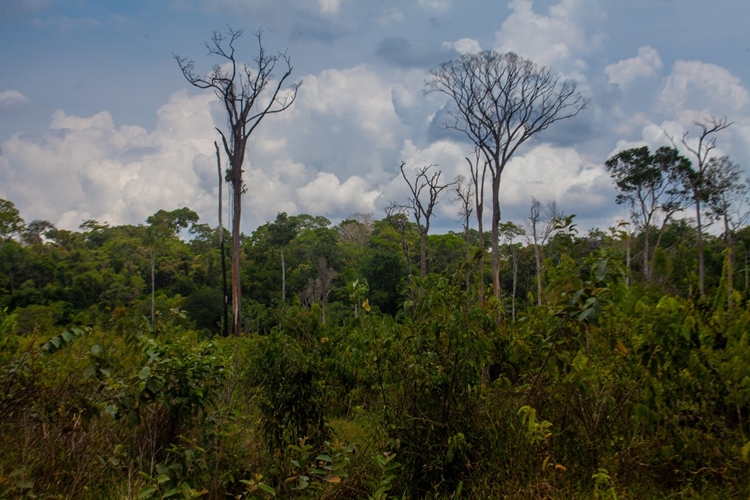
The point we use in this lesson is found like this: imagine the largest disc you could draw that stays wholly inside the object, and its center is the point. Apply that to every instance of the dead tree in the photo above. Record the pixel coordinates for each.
(696, 180)
(425, 190)
(249, 94)
(500, 102)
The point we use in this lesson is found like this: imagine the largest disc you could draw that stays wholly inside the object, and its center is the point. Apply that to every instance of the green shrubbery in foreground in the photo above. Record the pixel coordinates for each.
(603, 392)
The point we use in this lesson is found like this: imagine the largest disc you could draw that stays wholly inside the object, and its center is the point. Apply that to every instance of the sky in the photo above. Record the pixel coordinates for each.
(98, 122)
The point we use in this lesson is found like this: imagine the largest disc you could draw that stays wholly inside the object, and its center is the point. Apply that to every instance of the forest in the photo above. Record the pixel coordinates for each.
(375, 359)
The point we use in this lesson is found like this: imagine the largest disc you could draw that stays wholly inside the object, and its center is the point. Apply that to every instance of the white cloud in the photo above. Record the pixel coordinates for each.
(464, 46)
(12, 99)
(326, 194)
(86, 167)
(559, 39)
(700, 88)
(559, 174)
(329, 6)
(646, 65)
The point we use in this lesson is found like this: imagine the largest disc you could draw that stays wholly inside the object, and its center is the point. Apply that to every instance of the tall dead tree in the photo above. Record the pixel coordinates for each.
(249, 93)
(696, 179)
(500, 102)
(224, 290)
(425, 190)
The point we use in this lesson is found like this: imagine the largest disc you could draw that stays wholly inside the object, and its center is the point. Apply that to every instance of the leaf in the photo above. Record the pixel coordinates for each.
(267, 489)
(334, 479)
(145, 372)
(146, 492)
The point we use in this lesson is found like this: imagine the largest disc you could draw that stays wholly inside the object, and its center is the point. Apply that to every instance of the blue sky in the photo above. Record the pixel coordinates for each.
(96, 120)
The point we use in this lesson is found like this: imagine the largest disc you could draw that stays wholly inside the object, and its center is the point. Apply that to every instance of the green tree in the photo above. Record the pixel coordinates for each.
(650, 183)
(162, 226)
(11, 222)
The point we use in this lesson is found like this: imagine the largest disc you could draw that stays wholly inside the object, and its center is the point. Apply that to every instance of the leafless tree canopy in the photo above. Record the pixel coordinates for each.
(425, 190)
(500, 101)
(241, 87)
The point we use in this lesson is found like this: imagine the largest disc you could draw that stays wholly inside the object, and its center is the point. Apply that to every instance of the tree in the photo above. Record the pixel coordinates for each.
(501, 101)
(162, 226)
(464, 194)
(478, 176)
(249, 95)
(425, 183)
(511, 231)
(318, 288)
(225, 292)
(695, 178)
(726, 202)
(542, 222)
(650, 183)
(11, 222)
(282, 231)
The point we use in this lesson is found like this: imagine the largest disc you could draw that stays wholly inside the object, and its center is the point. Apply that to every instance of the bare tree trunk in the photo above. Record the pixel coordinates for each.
(700, 247)
(496, 237)
(538, 259)
(225, 292)
(627, 259)
(236, 217)
(729, 261)
(515, 282)
(283, 277)
(153, 265)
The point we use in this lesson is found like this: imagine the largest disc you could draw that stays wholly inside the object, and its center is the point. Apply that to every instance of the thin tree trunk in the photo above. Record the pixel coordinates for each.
(422, 254)
(515, 281)
(236, 218)
(700, 247)
(496, 238)
(646, 273)
(730, 260)
(225, 292)
(153, 266)
(627, 259)
(283, 277)
(538, 259)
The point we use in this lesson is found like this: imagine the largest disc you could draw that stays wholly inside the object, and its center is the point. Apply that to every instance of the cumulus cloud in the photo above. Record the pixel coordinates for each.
(353, 195)
(464, 46)
(100, 171)
(12, 100)
(559, 39)
(646, 65)
(561, 174)
(702, 87)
